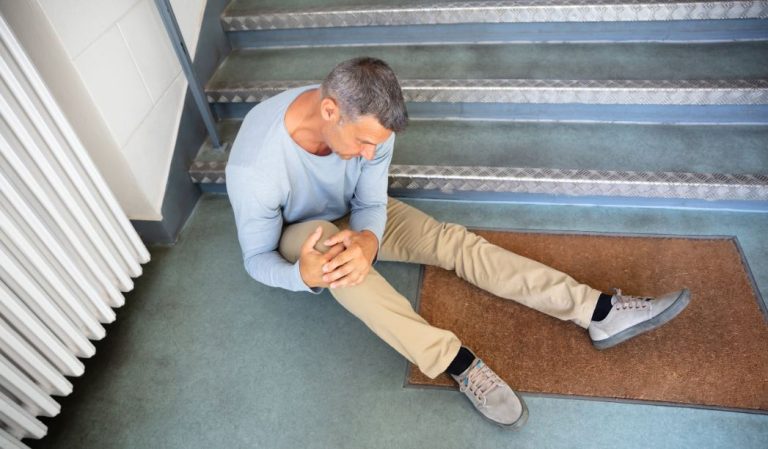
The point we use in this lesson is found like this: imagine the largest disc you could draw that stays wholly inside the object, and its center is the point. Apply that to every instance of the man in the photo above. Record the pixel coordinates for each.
(307, 178)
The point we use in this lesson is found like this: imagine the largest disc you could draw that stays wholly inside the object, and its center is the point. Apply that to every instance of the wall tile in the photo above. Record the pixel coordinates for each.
(147, 151)
(150, 47)
(114, 83)
(79, 22)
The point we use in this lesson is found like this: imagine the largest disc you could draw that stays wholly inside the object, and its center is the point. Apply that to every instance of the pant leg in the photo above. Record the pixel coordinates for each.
(386, 312)
(413, 236)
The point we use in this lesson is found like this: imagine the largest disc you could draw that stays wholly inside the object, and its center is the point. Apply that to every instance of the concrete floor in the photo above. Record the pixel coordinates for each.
(202, 356)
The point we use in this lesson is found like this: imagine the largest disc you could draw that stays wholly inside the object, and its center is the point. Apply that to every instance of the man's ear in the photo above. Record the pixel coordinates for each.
(329, 109)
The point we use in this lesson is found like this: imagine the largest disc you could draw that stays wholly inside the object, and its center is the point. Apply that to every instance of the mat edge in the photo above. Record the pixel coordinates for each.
(529, 394)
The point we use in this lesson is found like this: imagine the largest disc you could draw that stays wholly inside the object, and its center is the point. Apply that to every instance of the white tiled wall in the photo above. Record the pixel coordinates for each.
(141, 151)
(122, 53)
(143, 30)
(115, 84)
(79, 23)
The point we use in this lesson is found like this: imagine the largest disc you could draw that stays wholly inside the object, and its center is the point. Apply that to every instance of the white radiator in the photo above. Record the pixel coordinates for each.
(67, 250)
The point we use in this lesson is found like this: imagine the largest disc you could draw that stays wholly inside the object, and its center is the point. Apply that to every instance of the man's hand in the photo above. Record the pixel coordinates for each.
(311, 260)
(352, 265)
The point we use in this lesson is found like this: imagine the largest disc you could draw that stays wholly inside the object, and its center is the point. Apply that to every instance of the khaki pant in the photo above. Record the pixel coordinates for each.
(413, 236)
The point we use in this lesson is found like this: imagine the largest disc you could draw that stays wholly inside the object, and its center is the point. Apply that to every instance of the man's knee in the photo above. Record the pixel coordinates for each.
(452, 239)
(296, 234)
(329, 230)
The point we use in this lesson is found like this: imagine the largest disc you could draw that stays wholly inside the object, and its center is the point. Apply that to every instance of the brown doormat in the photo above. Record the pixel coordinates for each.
(713, 355)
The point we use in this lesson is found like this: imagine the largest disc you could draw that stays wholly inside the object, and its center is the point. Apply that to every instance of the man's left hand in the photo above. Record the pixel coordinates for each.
(354, 263)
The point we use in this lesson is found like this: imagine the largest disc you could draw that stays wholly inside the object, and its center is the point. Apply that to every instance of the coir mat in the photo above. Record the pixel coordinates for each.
(713, 355)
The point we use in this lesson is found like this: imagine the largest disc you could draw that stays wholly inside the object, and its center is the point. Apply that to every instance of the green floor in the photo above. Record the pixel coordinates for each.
(201, 356)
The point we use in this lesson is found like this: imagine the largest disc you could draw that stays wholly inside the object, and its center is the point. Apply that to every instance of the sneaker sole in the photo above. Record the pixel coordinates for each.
(672, 311)
(517, 424)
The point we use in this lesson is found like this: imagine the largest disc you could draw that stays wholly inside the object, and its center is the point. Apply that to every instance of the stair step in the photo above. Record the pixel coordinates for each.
(276, 14)
(658, 148)
(537, 73)
(674, 83)
(611, 61)
(634, 164)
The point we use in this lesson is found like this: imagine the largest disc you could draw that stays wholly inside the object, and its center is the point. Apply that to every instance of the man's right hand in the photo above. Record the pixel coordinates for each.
(311, 260)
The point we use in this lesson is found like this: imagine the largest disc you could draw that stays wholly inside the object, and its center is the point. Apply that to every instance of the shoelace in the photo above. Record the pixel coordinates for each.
(630, 302)
(480, 381)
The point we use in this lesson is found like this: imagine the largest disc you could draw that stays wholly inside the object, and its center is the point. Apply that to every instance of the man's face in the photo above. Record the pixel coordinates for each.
(350, 139)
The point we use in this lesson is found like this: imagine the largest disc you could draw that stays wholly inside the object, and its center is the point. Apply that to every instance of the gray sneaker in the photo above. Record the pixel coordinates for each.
(491, 396)
(634, 315)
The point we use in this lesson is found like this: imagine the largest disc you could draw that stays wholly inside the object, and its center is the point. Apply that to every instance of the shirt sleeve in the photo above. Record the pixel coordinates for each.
(368, 207)
(259, 222)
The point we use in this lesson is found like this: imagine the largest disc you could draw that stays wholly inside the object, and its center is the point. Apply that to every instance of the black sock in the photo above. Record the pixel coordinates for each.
(461, 362)
(603, 307)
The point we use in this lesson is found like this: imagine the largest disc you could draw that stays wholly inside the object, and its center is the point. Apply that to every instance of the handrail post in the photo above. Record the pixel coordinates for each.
(172, 27)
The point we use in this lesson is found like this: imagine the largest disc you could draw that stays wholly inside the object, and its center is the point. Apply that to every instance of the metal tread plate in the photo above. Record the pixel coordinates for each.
(206, 172)
(657, 92)
(704, 186)
(550, 181)
(519, 11)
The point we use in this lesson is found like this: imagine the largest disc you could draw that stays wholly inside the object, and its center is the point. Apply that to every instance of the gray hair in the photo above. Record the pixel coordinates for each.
(367, 86)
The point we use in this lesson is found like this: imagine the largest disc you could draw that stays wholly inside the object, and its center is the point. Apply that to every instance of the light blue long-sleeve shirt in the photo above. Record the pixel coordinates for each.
(272, 181)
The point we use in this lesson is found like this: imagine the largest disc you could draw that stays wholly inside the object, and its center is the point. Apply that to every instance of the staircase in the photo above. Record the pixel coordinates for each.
(651, 103)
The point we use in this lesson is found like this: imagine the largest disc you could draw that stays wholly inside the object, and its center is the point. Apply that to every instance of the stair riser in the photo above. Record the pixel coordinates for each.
(667, 31)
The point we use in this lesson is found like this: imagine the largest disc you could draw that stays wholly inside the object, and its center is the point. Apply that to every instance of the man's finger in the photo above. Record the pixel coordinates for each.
(338, 261)
(350, 280)
(337, 238)
(309, 244)
(339, 273)
(343, 282)
(334, 251)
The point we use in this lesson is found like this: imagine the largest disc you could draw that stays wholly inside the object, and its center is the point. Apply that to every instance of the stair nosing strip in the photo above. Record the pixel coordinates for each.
(665, 92)
(576, 175)
(493, 12)
(624, 183)
(572, 182)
